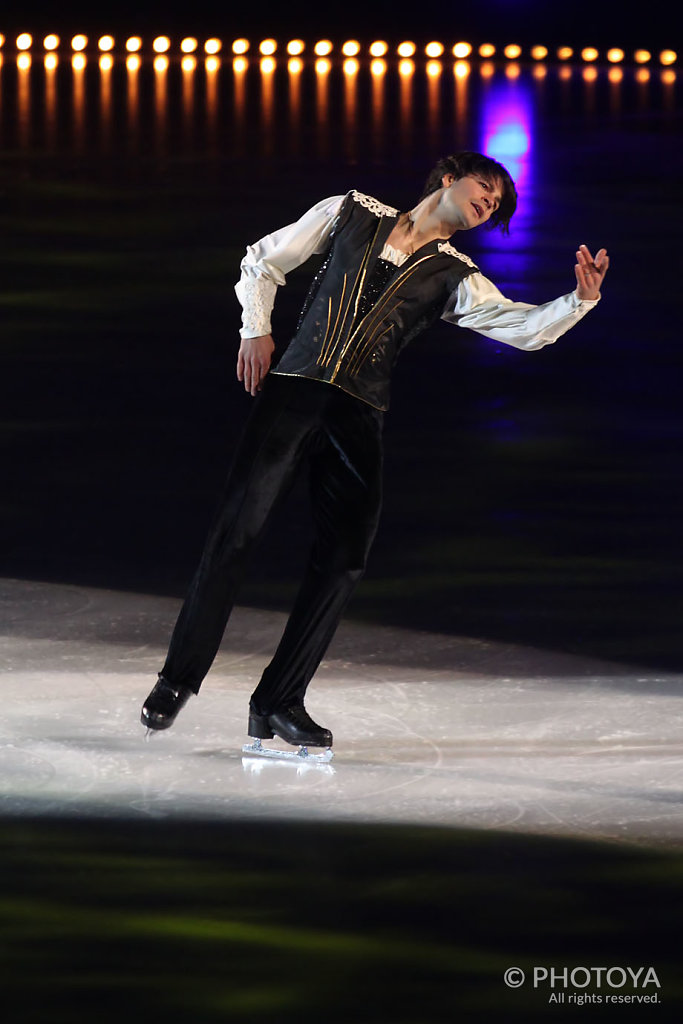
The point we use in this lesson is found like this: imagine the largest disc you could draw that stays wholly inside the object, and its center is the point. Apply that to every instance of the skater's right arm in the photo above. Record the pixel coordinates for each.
(263, 270)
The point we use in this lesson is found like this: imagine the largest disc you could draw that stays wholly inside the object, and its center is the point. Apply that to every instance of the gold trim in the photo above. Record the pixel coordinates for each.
(358, 289)
(376, 315)
(341, 303)
(364, 269)
(327, 329)
(324, 380)
(357, 360)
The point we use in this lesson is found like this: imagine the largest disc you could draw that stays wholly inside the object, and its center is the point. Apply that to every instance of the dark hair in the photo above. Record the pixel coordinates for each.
(460, 165)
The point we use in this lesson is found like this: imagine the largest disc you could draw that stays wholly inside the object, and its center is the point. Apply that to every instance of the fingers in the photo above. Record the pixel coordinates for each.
(251, 370)
(586, 289)
(258, 374)
(590, 272)
(245, 371)
(585, 260)
(252, 376)
(598, 265)
(253, 362)
(602, 261)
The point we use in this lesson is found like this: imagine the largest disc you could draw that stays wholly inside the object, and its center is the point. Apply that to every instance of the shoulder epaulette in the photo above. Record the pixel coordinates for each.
(374, 205)
(451, 251)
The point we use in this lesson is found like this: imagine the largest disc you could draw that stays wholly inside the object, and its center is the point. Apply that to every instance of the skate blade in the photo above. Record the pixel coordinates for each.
(257, 764)
(300, 756)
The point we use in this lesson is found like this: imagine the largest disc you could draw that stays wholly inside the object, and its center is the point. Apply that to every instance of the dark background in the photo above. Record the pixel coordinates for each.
(532, 498)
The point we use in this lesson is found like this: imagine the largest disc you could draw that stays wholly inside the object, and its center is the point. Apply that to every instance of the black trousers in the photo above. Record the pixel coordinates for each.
(296, 424)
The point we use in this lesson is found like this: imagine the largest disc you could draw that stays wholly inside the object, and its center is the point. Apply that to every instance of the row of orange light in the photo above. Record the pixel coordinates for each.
(79, 43)
(79, 62)
(351, 48)
(378, 67)
(460, 51)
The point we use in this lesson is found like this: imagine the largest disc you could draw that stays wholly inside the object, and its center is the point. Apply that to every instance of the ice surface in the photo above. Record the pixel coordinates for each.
(429, 729)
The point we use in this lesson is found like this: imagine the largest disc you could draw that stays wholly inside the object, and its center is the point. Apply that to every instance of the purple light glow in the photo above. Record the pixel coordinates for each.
(507, 130)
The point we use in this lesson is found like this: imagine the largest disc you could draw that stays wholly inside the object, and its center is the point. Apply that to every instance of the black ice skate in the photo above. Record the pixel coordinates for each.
(295, 726)
(163, 704)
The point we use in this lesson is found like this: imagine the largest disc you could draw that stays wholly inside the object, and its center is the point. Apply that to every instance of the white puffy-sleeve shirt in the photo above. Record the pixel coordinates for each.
(476, 302)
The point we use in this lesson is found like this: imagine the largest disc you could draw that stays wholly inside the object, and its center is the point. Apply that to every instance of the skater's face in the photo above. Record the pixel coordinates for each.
(470, 201)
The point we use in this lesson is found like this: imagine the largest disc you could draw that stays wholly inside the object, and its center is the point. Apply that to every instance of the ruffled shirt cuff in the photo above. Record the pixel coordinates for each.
(257, 297)
(268, 261)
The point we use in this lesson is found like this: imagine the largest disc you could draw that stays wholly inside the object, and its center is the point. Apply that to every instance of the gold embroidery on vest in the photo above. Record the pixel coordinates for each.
(375, 320)
(329, 319)
(321, 358)
(361, 355)
(357, 288)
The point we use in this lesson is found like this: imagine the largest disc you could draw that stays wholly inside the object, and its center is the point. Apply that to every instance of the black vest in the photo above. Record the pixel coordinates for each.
(334, 342)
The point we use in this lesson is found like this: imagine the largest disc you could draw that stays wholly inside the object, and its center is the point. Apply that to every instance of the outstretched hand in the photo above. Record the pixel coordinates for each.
(590, 272)
(253, 361)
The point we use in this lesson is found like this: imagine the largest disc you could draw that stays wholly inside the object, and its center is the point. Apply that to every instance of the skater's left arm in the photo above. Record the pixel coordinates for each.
(479, 305)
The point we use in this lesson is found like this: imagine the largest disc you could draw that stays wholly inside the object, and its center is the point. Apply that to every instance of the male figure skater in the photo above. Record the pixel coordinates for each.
(386, 276)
